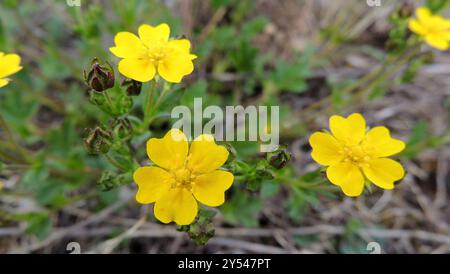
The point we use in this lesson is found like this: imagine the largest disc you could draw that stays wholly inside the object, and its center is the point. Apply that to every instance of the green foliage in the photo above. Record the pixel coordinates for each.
(398, 41)
(39, 223)
(73, 141)
(291, 76)
(242, 209)
(437, 5)
(421, 139)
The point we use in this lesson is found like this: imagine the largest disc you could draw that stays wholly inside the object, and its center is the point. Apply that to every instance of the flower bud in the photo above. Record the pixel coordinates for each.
(279, 158)
(122, 128)
(124, 104)
(133, 87)
(264, 174)
(232, 154)
(202, 229)
(110, 180)
(98, 141)
(406, 10)
(100, 77)
(96, 98)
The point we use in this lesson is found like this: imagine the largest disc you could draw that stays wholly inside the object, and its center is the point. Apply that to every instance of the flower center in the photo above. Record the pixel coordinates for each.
(156, 53)
(356, 154)
(183, 177)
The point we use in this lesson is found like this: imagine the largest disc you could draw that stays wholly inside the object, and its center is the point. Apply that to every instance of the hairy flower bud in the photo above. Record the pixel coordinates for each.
(279, 158)
(406, 10)
(133, 87)
(122, 128)
(110, 180)
(100, 77)
(98, 141)
(202, 229)
(96, 98)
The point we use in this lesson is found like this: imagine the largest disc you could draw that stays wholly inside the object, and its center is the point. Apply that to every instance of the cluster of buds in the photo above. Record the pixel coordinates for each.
(100, 77)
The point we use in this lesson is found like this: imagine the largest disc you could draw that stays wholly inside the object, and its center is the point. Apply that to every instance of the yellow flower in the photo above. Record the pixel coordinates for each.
(152, 52)
(349, 152)
(9, 64)
(182, 176)
(433, 28)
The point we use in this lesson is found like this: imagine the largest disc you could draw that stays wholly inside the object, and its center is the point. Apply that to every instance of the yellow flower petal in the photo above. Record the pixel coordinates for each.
(205, 156)
(379, 143)
(384, 172)
(325, 149)
(137, 69)
(440, 23)
(423, 14)
(169, 152)
(437, 42)
(350, 130)
(151, 36)
(128, 45)
(445, 35)
(153, 182)
(209, 189)
(177, 205)
(9, 64)
(417, 27)
(348, 177)
(180, 46)
(3, 82)
(175, 67)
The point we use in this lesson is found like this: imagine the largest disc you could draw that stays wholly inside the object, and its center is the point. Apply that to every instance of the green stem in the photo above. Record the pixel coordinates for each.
(158, 103)
(147, 107)
(114, 162)
(108, 98)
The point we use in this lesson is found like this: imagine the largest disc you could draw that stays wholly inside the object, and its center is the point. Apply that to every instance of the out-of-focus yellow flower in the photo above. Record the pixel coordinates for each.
(433, 28)
(152, 52)
(182, 176)
(350, 154)
(9, 64)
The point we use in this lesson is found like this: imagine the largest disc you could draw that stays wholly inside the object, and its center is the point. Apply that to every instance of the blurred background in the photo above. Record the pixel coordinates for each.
(313, 58)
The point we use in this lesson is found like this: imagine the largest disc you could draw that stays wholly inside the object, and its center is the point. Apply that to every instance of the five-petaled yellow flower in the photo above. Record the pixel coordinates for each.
(152, 52)
(349, 152)
(9, 64)
(433, 28)
(182, 175)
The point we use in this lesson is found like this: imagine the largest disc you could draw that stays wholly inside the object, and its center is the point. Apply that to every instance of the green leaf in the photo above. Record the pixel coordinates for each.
(269, 189)
(437, 5)
(242, 209)
(38, 223)
(291, 76)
